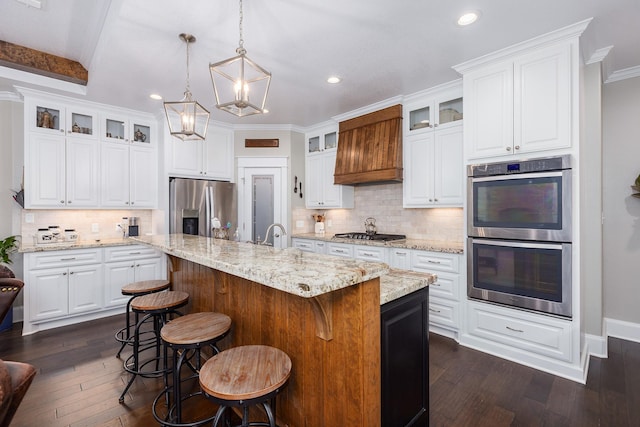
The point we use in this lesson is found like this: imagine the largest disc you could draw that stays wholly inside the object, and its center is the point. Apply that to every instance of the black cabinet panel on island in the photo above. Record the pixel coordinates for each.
(405, 360)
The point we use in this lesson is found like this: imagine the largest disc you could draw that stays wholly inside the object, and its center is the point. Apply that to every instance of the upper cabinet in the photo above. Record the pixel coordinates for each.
(440, 107)
(208, 159)
(321, 192)
(523, 101)
(433, 148)
(77, 153)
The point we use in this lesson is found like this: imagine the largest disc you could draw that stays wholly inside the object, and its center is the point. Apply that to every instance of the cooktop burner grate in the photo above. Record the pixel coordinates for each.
(376, 236)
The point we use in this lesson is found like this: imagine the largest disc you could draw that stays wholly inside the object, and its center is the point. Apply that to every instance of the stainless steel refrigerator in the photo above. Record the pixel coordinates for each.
(197, 206)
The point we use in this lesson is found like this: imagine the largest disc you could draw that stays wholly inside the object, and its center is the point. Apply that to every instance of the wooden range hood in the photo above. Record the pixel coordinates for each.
(370, 148)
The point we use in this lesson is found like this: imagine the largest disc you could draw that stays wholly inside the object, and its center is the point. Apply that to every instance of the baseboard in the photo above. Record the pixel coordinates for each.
(621, 329)
(596, 345)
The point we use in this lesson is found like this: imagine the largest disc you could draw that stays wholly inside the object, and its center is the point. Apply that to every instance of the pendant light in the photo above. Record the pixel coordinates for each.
(188, 120)
(240, 85)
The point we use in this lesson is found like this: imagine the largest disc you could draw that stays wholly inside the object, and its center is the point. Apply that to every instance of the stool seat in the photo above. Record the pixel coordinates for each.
(145, 287)
(245, 372)
(159, 301)
(195, 328)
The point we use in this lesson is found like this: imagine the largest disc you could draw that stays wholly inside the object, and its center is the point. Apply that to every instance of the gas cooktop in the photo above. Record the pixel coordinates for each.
(376, 236)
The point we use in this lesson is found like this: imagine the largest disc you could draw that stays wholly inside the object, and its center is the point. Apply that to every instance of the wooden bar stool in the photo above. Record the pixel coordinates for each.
(137, 289)
(187, 336)
(243, 377)
(157, 306)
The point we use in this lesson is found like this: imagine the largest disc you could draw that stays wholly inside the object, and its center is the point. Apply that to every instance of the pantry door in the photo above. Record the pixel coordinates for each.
(262, 199)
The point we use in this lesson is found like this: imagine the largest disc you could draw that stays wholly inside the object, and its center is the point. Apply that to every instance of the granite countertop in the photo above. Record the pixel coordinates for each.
(451, 247)
(290, 270)
(80, 244)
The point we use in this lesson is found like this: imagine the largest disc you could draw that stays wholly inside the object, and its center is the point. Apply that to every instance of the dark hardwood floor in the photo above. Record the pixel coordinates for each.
(79, 380)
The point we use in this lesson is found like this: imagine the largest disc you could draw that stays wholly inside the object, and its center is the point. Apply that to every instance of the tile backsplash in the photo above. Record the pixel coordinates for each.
(384, 203)
(83, 221)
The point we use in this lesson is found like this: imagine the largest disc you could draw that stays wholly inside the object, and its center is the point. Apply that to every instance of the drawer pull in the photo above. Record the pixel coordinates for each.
(514, 330)
(134, 253)
(68, 259)
(401, 254)
(436, 284)
(433, 310)
(367, 254)
(430, 261)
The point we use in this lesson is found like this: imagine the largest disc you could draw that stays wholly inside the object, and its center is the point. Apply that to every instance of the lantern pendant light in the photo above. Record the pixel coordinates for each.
(188, 120)
(240, 85)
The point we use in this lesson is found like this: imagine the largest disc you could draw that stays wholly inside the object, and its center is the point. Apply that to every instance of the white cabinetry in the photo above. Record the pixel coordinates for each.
(61, 161)
(70, 286)
(320, 190)
(208, 159)
(308, 245)
(340, 249)
(129, 176)
(522, 104)
(370, 253)
(128, 264)
(433, 169)
(433, 144)
(62, 283)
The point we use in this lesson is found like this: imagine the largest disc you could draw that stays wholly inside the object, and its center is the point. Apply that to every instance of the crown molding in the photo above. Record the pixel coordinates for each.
(626, 73)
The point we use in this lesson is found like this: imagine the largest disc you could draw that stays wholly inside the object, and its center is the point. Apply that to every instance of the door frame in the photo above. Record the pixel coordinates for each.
(254, 164)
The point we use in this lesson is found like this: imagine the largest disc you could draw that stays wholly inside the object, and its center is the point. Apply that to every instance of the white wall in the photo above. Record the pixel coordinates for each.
(621, 166)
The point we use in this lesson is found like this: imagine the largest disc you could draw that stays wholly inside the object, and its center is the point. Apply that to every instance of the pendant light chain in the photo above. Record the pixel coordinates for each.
(241, 49)
(188, 86)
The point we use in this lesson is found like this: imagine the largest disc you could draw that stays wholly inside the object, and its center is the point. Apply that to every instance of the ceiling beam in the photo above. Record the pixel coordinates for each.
(42, 63)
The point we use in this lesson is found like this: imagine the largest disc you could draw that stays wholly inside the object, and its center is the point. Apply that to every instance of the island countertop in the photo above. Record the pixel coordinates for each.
(290, 270)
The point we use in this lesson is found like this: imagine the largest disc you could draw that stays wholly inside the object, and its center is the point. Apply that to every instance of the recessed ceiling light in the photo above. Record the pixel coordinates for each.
(155, 96)
(468, 18)
(333, 79)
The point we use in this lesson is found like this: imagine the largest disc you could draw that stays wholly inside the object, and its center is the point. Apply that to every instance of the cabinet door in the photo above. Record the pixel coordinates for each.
(115, 175)
(186, 158)
(448, 167)
(82, 173)
(332, 194)
(313, 186)
(148, 269)
(144, 177)
(418, 170)
(400, 258)
(85, 288)
(542, 99)
(49, 294)
(488, 123)
(218, 155)
(45, 165)
(46, 117)
(116, 275)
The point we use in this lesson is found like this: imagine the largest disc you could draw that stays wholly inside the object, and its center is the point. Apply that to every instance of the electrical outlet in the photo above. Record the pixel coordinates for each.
(329, 223)
(299, 223)
(118, 226)
(29, 218)
(95, 228)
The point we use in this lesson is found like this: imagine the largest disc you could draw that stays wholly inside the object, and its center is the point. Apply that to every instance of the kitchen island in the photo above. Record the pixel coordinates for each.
(323, 311)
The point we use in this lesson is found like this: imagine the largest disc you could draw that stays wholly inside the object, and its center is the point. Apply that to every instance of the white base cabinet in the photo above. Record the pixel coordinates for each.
(71, 286)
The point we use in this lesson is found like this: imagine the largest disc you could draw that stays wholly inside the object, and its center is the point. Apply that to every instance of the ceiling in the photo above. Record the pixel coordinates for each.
(380, 48)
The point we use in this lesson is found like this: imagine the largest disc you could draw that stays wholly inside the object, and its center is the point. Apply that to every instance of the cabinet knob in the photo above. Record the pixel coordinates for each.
(517, 147)
(431, 200)
(69, 201)
(62, 201)
(71, 272)
(126, 203)
(62, 130)
(508, 148)
(64, 274)
(435, 125)
(132, 203)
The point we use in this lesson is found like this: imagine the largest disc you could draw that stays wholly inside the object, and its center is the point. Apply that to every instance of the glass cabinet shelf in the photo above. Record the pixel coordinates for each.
(82, 123)
(450, 111)
(115, 129)
(141, 133)
(48, 118)
(330, 140)
(314, 144)
(420, 118)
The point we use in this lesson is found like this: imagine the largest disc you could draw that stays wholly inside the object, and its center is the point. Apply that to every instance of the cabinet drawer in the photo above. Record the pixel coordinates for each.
(447, 286)
(435, 261)
(400, 258)
(543, 335)
(443, 312)
(370, 253)
(304, 245)
(320, 247)
(123, 253)
(64, 258)
(340, 249)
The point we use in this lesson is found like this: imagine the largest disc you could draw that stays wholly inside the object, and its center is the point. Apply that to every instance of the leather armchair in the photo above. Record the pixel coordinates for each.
(15, 379)
(9, 290)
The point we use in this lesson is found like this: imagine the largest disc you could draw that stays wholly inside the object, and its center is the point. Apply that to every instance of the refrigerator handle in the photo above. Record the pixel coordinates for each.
(207, 211)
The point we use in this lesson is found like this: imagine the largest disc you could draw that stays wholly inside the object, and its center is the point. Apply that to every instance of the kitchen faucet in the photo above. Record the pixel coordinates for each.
(266, 235)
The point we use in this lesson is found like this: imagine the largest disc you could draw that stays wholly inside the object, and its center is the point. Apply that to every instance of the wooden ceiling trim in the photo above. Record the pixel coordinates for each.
(42, 63)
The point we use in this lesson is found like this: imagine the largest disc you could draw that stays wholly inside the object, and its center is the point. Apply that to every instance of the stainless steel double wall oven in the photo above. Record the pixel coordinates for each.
(519, 226)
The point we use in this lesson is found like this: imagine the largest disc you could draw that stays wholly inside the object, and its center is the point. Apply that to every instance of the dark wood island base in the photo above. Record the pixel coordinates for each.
(333, 341)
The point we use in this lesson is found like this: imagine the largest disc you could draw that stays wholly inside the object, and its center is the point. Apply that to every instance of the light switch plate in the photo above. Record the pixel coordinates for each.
(299, 223)
(29, 218)
(95, 228)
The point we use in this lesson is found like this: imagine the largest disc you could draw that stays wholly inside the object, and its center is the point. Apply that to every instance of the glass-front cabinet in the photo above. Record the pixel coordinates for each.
(434, 108)
(60, 119)
(126, 130)
(322, 139)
